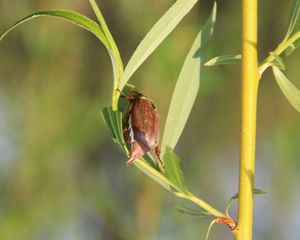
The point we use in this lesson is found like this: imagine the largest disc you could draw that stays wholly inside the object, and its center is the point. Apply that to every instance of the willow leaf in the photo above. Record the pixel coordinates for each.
(174, 172)
(224, 59)
(192, 212)
(293, 17)
(288, 89)
(118, 67)
(156, 35)
(70, 16)
(113, 120)
(154, 174)
(187, 85)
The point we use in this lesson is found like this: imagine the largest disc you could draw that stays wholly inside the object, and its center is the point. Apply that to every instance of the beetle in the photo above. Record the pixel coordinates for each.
(141, 127)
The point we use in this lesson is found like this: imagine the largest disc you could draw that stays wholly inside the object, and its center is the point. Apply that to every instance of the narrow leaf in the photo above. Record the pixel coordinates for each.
(192, 212)
(236, 196)
(156, 35)
(113, 120)
(151, 160)
(103, 25)
(293, 17)
(289, 90)
(87, 24)
(174, 173)
(154, 174)
(225, 59)
(68, 15)
(118, 70)
(187, 85)
(107, 121)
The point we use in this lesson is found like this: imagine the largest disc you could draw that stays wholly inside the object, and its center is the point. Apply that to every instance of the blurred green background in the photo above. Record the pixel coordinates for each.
(62, 177)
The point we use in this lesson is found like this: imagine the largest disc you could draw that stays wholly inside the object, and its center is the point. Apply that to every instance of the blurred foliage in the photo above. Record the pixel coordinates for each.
(61, 177)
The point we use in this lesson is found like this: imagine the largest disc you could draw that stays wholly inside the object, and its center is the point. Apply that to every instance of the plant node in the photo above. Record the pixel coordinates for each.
(228, 221)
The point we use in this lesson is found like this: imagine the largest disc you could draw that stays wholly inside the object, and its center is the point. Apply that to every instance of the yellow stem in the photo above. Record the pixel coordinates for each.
(248, 128)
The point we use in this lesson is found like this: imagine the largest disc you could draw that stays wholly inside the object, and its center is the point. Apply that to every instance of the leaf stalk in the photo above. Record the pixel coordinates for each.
(279, 50)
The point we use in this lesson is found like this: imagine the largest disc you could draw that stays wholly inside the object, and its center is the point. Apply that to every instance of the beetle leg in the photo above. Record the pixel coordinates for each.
(129, 161)
(126, 142)
(129, 98)
(125, 130)
(161, 163)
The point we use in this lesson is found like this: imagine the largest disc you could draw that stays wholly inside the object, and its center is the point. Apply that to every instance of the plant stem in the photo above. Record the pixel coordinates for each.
(200, 203)
(248, 127)
(115, 97)
(280, 49)
(169, 186)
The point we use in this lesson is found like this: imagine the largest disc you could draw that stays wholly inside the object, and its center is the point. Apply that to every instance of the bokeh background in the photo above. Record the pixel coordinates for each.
(62, 177)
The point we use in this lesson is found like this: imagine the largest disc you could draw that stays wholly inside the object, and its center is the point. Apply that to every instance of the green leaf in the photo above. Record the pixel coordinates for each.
(236, 196)
(289, 90)
(68, 15)
(113, 120)
(192, 212)
(151, 160)
(174, 173)
(293, 17)
(106, 118)
(118, 64)
(156, 35)
(187, 85)
(87, 24)
(225, 59)
(154, 174)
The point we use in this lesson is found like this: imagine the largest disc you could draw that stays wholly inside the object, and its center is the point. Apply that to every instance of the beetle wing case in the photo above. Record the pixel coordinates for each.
(142, 124)
(145, 122)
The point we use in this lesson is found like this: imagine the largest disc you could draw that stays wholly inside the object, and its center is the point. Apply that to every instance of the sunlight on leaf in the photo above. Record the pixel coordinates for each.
(289, 90)
(225, 59)
(156, 35)
(187, 85)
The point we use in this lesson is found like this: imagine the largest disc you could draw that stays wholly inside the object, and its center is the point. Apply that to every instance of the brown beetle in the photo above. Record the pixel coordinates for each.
(141, 127)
